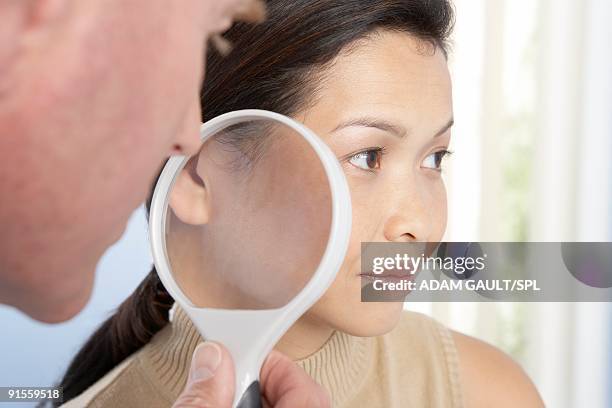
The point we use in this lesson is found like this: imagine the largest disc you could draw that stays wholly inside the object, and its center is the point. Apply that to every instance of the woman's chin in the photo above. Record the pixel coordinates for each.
(369, 319)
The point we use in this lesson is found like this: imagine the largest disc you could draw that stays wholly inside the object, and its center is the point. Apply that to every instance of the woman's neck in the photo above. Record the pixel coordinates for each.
(304, 338)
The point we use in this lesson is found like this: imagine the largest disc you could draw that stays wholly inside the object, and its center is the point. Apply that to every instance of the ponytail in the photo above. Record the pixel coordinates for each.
(133, 325)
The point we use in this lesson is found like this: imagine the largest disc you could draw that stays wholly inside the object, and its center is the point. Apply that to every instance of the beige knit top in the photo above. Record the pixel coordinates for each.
(414, 365)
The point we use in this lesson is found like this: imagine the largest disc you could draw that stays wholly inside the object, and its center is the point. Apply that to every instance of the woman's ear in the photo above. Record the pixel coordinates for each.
(190, 199)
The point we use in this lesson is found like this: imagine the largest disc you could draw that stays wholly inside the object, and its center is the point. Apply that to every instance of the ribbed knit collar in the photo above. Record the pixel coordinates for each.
(340, 365)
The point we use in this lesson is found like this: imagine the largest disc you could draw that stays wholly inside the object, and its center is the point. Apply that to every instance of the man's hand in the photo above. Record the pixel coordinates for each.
(211, 382)
(284, 385)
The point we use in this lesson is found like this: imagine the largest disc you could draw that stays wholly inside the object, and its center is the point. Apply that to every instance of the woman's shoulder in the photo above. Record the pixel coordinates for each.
(486, 375)
(490, 377)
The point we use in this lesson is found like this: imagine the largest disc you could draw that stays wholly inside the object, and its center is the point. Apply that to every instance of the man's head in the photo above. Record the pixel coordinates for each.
(93, 96)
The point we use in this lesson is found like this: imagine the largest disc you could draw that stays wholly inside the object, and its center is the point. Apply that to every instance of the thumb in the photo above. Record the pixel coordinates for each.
(211, 379)
(286, 385)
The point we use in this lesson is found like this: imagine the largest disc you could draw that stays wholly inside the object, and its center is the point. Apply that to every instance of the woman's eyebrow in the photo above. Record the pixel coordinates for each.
(446, 127)
(377, 123)
(385, 126)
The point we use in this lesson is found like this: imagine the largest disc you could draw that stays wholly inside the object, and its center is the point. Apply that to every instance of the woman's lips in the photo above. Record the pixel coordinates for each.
(390, 276)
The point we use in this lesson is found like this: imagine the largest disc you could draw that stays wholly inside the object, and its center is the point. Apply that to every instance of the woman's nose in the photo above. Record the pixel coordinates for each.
(409, 222)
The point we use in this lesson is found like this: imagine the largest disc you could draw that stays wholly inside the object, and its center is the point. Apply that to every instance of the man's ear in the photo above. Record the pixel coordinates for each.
(190, 199)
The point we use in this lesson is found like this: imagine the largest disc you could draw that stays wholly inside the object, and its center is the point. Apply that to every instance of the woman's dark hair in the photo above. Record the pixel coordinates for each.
(275, 66)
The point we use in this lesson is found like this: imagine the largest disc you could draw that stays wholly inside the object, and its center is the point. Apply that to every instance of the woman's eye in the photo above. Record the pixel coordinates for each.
(367, 160)
(434, 160)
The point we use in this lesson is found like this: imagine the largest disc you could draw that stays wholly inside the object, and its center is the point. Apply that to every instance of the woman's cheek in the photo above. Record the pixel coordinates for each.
(439, 211)
(363, 229)
(367, 214)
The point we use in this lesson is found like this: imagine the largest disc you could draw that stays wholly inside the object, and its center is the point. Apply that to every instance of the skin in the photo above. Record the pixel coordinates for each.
(85, 123)
(403, 103)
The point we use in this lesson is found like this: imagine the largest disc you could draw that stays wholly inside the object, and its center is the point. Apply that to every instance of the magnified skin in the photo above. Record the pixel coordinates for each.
(263, 226)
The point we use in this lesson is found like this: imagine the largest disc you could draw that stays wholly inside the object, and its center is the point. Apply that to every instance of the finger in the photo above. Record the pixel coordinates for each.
(211, 379)
(285, 384)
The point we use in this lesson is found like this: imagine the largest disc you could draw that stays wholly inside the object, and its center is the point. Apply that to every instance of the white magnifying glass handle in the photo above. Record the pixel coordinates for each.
(251, 243)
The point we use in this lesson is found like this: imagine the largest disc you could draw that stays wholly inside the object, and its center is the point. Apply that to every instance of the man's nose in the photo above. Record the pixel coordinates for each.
(187, 142)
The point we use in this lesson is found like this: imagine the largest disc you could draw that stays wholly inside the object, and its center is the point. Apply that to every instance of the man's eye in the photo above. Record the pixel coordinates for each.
(434, 160)
(368, 159)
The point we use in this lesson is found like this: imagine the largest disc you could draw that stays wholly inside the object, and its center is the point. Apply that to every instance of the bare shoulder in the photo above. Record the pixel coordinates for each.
(489, 377)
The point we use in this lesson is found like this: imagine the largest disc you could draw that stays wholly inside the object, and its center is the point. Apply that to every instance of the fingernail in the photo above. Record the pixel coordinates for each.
(206, 360)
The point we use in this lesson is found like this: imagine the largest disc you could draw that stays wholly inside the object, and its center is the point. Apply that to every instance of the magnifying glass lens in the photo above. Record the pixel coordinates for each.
(248, 218)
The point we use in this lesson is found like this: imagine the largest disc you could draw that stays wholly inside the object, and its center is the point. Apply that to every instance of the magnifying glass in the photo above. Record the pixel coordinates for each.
(248, 233)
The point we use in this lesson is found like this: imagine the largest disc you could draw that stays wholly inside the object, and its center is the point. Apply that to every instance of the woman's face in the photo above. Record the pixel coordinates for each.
(385, 110)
